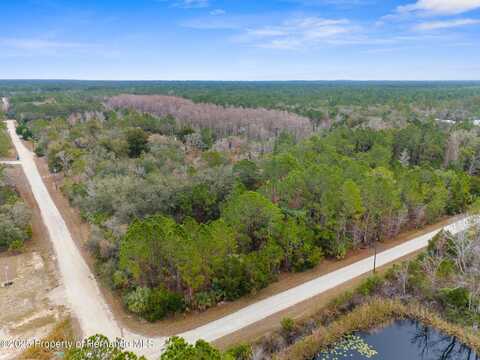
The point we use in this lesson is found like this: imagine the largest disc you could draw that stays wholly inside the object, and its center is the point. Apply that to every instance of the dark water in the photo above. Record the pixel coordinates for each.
(404, 340)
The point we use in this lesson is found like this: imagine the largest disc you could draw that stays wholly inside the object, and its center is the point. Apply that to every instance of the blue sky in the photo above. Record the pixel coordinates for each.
(240, 39)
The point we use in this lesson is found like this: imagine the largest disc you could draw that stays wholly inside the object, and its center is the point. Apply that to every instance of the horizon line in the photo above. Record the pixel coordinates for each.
(234, 80)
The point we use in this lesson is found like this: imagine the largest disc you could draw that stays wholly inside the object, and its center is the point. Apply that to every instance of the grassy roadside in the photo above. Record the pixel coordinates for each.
(5, 144)
(377, 312)
(431, 289)
(62, 333)
(184, 323)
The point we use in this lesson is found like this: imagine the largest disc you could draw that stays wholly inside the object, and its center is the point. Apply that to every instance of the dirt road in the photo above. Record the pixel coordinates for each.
(34, 300)
(5, 104)
(83, 295)
(298, 294)
(82, 290)
(89, 307)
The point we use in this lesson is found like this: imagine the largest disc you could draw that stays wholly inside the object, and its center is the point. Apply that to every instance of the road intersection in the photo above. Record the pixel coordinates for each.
(88, 305)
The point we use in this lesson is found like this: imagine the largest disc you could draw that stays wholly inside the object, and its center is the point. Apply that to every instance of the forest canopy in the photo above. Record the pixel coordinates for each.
(192, 204)
(14, 217)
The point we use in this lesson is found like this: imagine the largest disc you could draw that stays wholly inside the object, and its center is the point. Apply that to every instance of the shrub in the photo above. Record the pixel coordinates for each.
(247, 173)
(241, 352)
(137, 140)
(364, 317)
(184, 132)
(74, 190)
(40, 150)
(205, 300)
(178, 349)
(288, 325)
(10, 233)
(137, 301)
(60, 335)
(153, 304)
(23, 131)
(16, 245)
(370, 285)
(446, 268)
(337, 249)
(289, 329)
(311, 256)
(214, 158)
(100, 347)
(341, 300)
(456, 298)
(417, 278)
(119, 279)
(208, 137)
(233, 280)
(161, 303)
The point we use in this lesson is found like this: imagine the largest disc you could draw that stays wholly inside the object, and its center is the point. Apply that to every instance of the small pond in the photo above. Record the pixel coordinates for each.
(403, 340)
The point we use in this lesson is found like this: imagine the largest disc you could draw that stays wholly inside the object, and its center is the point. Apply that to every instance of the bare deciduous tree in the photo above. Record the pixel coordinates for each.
(403, 276)
(430, 266)
(258, 124)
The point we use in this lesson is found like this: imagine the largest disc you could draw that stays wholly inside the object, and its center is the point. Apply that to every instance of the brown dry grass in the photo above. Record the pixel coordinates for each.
(62, 332)
(377, 312)
(178, 324)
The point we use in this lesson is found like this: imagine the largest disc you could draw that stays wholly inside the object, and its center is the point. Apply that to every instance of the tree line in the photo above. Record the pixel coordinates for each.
(257, 124)
(15, 217)
(180, 225)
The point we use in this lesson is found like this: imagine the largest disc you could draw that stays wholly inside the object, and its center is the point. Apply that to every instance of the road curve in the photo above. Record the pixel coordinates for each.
(83, 294)
(89, 307)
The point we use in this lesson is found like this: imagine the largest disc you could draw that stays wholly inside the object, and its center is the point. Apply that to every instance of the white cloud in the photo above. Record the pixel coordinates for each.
(441, 7)
(191, 4)
(411, 12)
(267, 32)
(213, 23)
(339, 3)
(217, 12)
(296, 33)
(40, 44)
(282, 44)
(34, 47)
(435, 25)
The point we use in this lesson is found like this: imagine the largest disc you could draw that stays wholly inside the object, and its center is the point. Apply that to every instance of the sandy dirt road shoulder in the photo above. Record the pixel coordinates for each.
(83, 294)
(185, 322)
(89, 306)
(35, 300)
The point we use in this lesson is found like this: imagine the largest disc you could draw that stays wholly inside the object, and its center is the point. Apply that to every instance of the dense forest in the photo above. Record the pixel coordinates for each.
(14, 214)
(439, 288)
(4, 139)
(319, 100)
(186, 216)
(254, 124)
(192, 204)
(14, 217)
